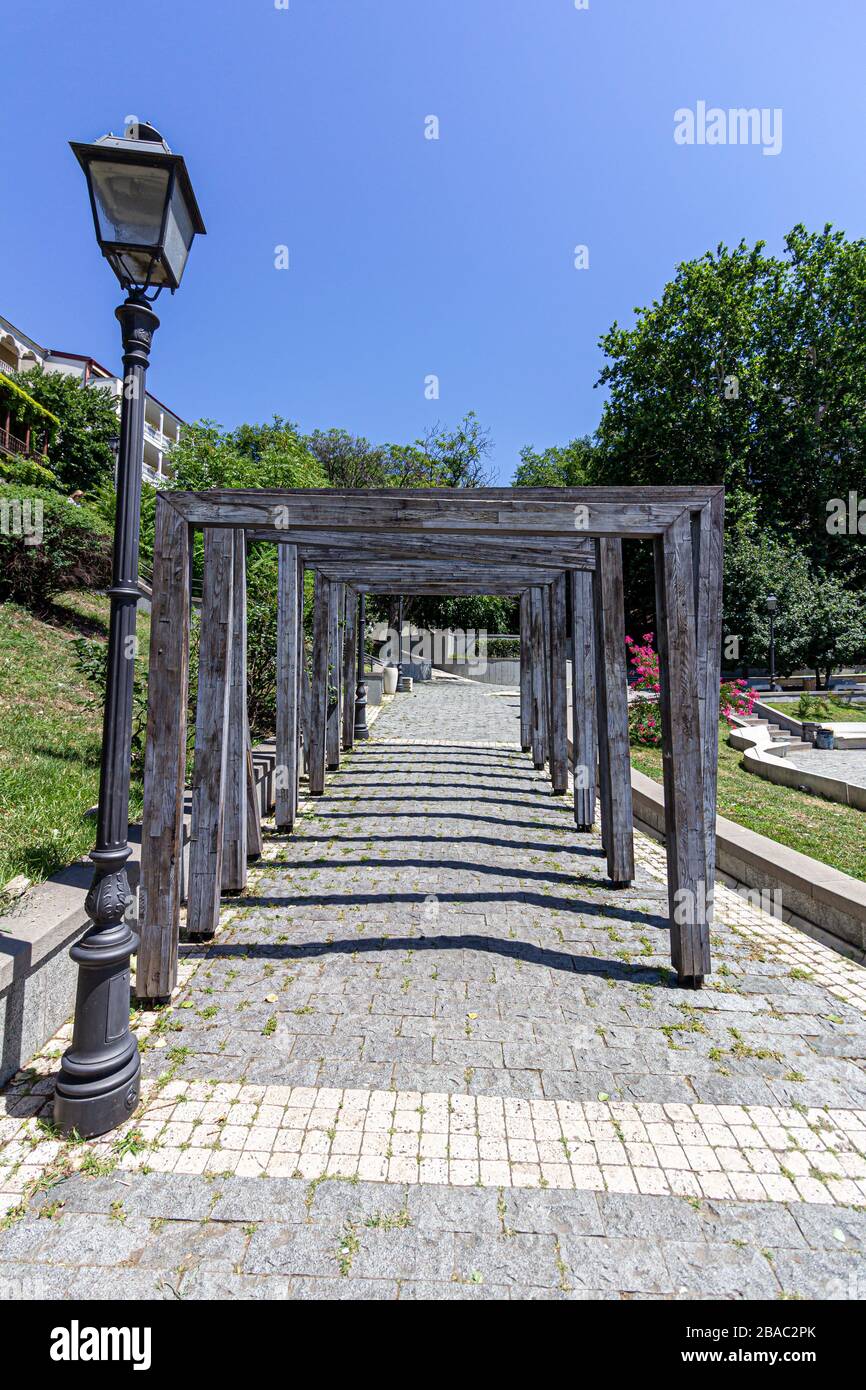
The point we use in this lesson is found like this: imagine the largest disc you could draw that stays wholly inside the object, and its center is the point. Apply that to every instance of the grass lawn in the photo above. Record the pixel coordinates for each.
(825, 830)
(840, 711)
(49, 739)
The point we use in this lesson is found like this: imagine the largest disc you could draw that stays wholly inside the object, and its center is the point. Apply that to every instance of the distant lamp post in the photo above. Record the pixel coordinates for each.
(772, 606)
(145, 215)
(361, 730)
(402, 680)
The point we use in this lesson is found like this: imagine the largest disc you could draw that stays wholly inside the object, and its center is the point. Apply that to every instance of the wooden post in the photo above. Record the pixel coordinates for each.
(707, 562)
(525, 675)
(164, 759)
(289, 597)
(585, 750)
(536, 661)
(319, 684)
(255, 843)
(614, 764)
(545, 666)
(350, 664)
(335, 666)
(234, 867)
(211, 735)
(558, 688)
(682, 753)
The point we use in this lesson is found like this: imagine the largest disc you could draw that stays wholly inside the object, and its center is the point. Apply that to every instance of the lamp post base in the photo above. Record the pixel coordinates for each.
(361, 732)
(99, 1080)
(93, 1111)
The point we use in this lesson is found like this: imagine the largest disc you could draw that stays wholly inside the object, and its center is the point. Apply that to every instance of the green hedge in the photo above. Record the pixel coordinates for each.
(47, 544)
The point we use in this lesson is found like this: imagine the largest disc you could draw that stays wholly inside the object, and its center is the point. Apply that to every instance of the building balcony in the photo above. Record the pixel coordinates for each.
(19, 448)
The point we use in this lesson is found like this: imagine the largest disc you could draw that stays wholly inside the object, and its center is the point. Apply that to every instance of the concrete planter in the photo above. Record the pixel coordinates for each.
(389, 680)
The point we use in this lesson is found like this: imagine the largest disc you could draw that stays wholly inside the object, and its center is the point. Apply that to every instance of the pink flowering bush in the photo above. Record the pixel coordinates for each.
(644, 716)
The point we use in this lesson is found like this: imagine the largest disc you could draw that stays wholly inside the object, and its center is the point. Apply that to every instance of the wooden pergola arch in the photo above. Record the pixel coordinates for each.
(559, 550)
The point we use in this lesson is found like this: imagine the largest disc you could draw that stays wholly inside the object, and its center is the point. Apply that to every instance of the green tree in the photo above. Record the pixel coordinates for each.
(819, 622)
(81, 455)
(750, 371)
(567, 465)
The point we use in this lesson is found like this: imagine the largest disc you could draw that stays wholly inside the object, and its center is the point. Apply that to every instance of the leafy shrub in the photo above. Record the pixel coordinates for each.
(644, 713)
(48, 544)
(813, 707)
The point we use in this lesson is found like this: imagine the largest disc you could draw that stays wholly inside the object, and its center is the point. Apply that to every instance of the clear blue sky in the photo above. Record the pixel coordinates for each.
(305, 127)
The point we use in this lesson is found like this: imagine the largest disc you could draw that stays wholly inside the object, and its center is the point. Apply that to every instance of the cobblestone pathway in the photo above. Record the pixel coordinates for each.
(431, 1054)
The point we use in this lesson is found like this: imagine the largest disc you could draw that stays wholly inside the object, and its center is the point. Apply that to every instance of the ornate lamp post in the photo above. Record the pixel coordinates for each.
(361, 730)
(145, 215)
(402, 681)
(772, 605)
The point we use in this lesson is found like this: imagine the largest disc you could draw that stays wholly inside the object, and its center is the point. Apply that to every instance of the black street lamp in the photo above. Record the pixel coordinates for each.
(146, 216)
(402, 680)
(772, 605)
(361, 730)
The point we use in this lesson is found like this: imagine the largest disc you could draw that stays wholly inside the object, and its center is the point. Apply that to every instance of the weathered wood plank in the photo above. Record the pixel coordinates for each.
(525, 675)
(211, 736)
(335, 666)
(614, 763)
(350, 664)
(583, 686)
(255, 841)
(536, 658)
(707, 557)
(558, 688)
(586, 511)
(289, 597)
(682, 753)
(319, 684)
(548, 721)
(164, 759)
(234, 866)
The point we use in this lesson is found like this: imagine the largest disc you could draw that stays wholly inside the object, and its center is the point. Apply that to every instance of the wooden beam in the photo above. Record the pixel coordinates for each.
(682, 754)
(289, 597)
(319, 546)
(525, 675)
(211, 736)
(614, 763)
(164, 759)
(558, 687)
(536, 660)
(583, 684)
(582, 511)
(234, 867)
(319, 684)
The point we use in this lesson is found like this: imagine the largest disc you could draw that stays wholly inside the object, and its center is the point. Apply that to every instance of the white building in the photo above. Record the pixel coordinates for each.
(162, 426)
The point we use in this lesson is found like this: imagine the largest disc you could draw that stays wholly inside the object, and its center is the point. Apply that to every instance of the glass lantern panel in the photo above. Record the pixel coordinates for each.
(178, 233)
(138, 268)
(130, 199)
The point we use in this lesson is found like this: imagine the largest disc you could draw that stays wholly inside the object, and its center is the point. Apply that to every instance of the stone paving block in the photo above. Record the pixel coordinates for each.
(829, 1228)
(291, 1250)
(449, 1209)
(723, 1271)
(821, 1274)
(245, 1200)
(504, 1259)
(404, 1254)
(552, 1213)
(628, 1265)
